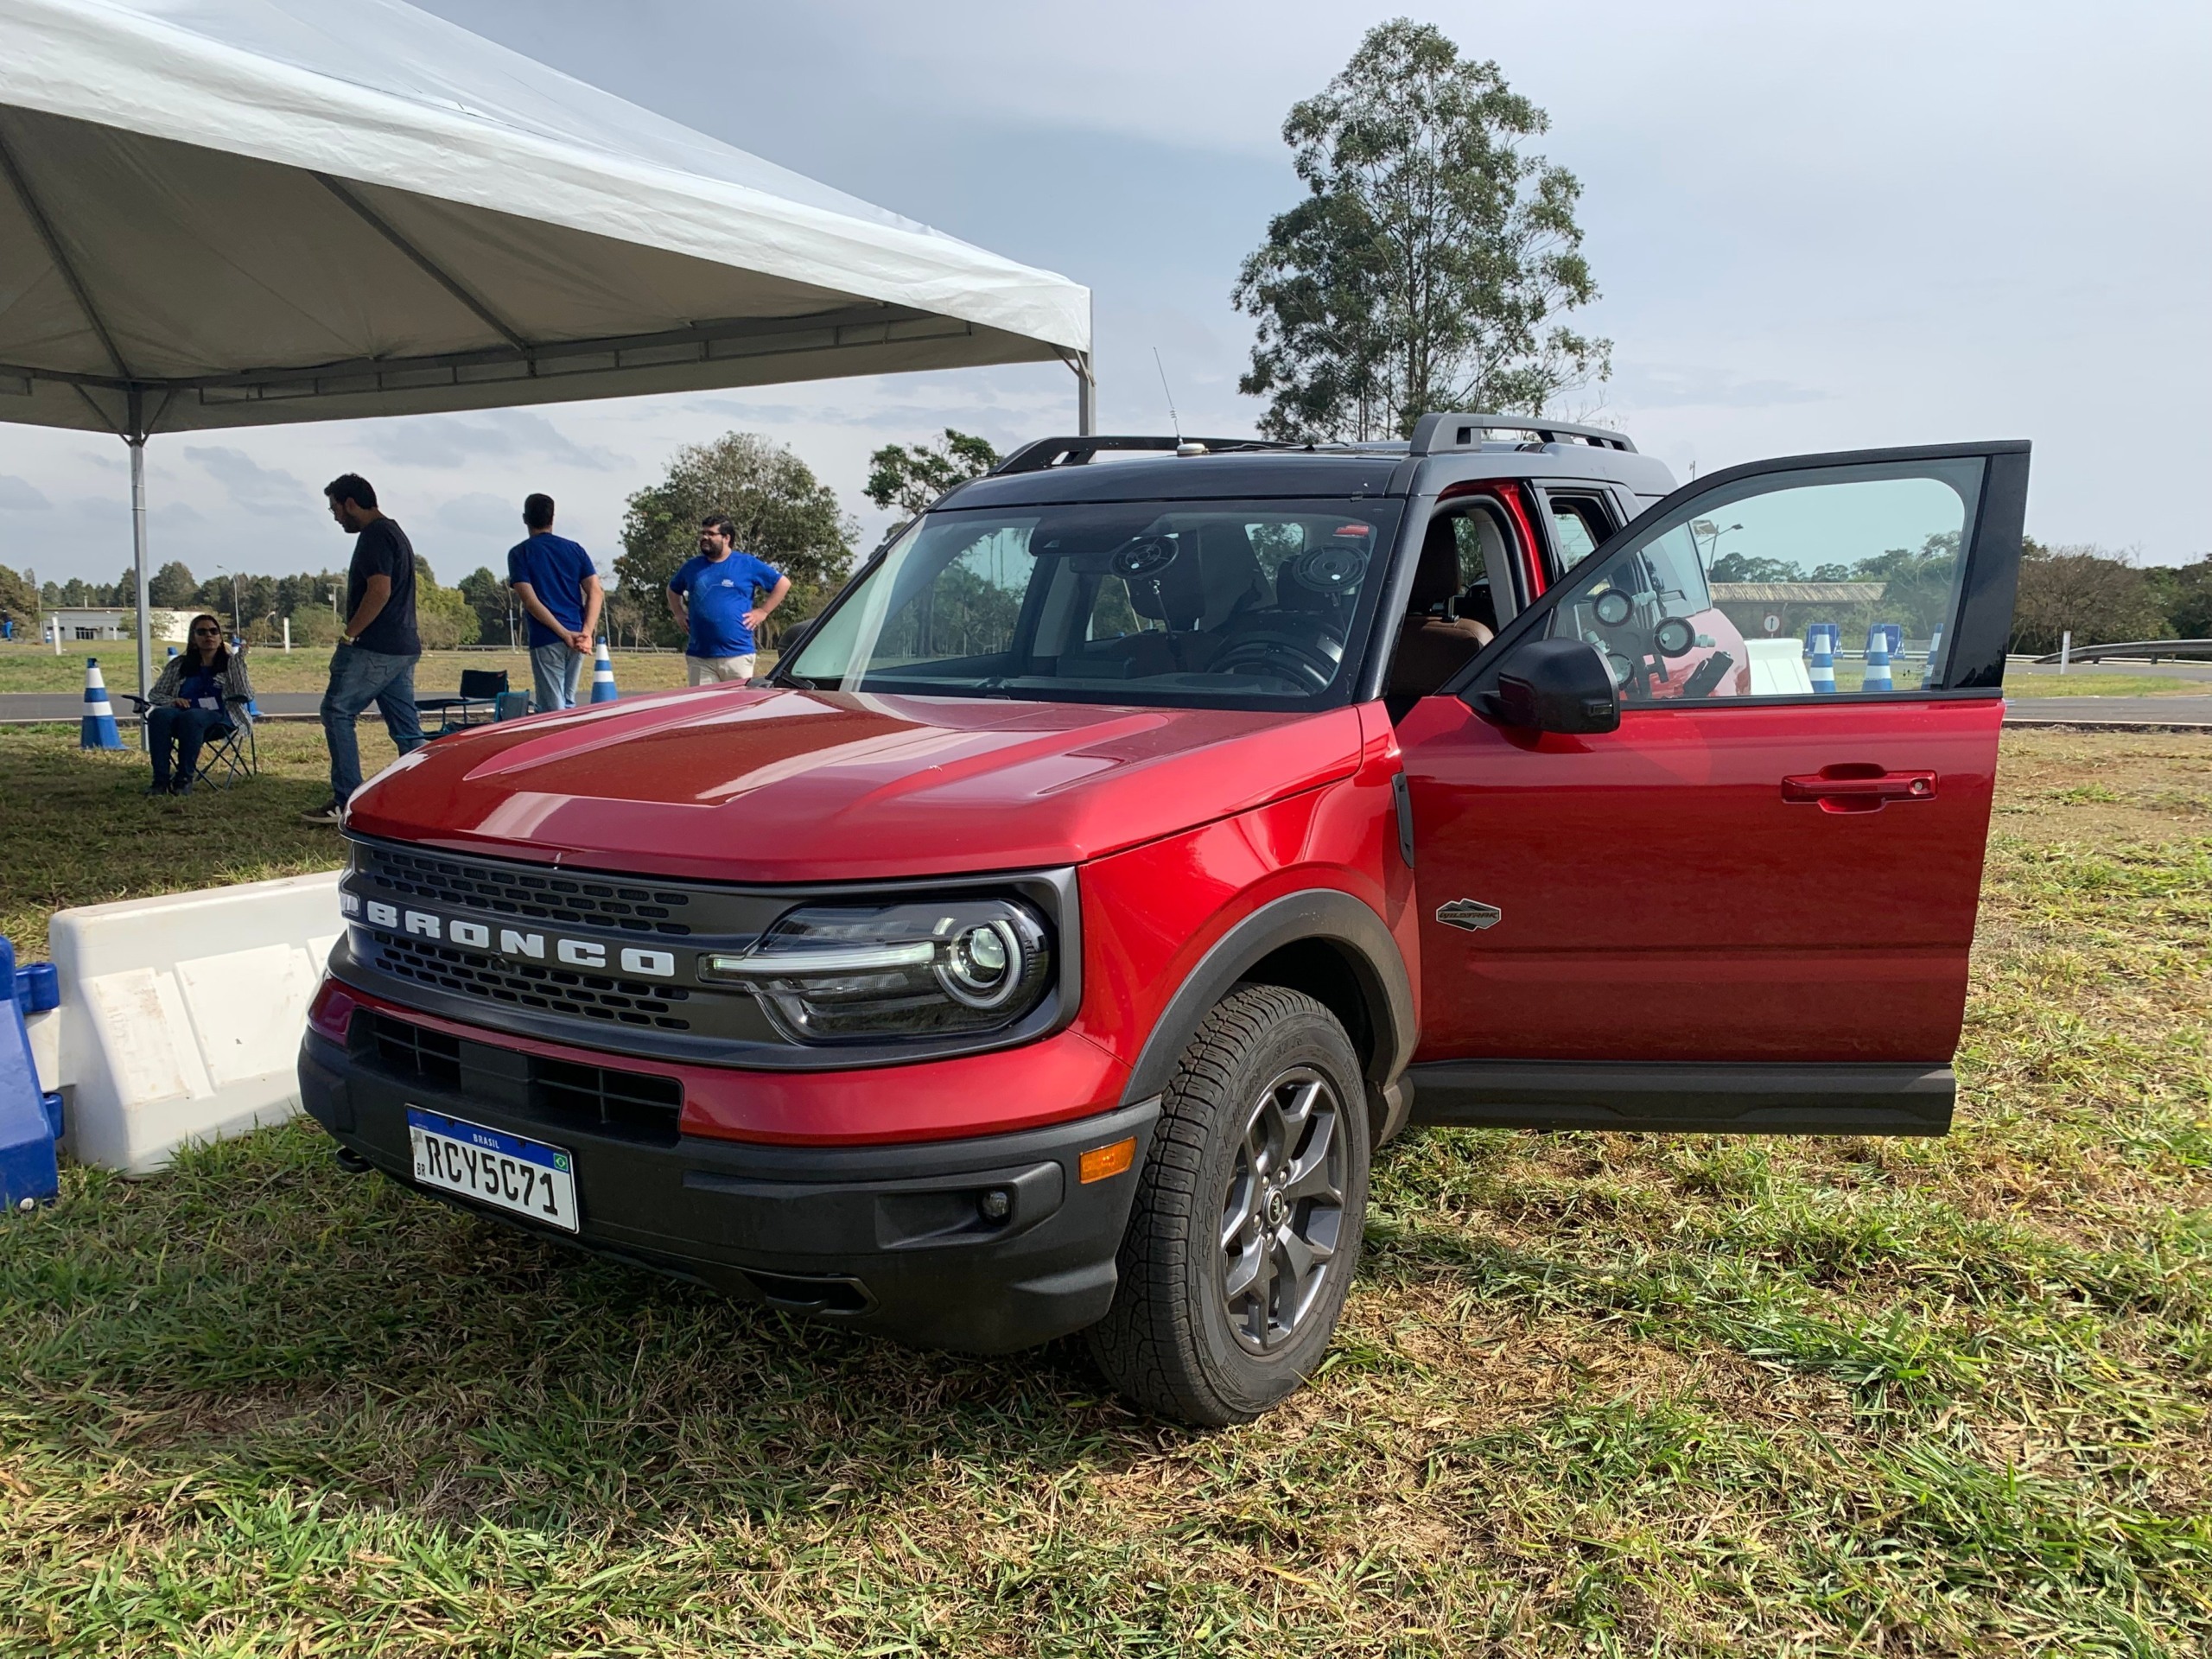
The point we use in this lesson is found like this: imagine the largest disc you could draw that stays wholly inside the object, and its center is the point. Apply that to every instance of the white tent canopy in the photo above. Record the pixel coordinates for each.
(237, 213)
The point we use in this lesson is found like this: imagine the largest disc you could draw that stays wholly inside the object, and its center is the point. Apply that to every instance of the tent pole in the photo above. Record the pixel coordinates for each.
(137, 442)
(1086, 395)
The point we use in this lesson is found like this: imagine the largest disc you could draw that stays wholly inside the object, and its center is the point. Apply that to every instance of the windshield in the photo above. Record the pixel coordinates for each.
(1250, 604)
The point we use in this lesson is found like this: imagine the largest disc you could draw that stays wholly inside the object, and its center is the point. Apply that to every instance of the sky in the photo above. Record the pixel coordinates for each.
(1814, 229)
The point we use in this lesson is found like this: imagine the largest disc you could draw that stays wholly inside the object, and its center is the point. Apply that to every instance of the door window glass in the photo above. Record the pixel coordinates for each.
(1578, 525)
(1842, 581)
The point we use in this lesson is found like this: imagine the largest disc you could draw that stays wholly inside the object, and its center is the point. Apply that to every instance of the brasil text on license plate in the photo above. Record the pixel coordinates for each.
(493, 1168)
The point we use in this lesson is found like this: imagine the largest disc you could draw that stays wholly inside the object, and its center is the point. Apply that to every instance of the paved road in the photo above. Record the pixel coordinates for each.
(70, 705)
(2178, 710)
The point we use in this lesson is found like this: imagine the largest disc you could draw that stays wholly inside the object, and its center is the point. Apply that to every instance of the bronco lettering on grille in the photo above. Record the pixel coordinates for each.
(512, 942)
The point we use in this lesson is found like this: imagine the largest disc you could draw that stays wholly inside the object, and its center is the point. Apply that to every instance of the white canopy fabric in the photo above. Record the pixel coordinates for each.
(239, 213)
(226, 213)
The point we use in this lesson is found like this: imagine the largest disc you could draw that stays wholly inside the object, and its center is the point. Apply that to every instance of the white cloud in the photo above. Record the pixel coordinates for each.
(250, 485)
(20, 495)
(447, 441)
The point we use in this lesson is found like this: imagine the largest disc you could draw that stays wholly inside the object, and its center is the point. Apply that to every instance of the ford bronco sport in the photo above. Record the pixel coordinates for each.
(1136, 843)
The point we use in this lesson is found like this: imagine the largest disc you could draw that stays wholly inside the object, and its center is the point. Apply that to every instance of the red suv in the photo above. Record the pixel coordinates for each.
(1136, 845)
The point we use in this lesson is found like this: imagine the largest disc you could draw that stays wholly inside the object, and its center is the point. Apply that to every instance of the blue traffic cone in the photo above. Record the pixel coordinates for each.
(1877, 677)
(602, 676)
(1822, 670)
(98, 731)
(1930, 674)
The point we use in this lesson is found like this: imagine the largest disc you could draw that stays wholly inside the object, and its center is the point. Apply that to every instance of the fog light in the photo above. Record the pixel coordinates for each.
(995, 1204)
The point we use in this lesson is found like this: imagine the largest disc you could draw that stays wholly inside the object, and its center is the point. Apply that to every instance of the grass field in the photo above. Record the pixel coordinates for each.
(1594, 1394)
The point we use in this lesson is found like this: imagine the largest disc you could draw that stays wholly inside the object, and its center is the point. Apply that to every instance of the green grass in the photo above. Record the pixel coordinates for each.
(2082, 682)
(1595, 1393)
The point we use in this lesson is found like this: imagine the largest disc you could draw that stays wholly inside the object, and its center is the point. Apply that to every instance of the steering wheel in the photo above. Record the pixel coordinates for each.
(1304, 661)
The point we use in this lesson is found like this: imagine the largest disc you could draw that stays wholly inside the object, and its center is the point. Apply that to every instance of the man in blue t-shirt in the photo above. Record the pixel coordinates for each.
(715, 598)
(555, 582)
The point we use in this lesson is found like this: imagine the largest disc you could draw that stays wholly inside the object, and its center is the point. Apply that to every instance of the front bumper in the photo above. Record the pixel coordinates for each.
(889, 1238)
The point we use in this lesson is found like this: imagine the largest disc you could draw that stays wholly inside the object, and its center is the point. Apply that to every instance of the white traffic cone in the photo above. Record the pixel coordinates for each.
(1821, 669)
(98, 731)
(1877, 677)
(602, 675)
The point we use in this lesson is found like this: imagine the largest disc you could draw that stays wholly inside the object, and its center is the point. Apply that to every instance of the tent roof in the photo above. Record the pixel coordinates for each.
(230, 212)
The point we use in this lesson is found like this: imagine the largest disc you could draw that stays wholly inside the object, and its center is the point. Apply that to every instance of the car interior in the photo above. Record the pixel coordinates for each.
(1451, 611)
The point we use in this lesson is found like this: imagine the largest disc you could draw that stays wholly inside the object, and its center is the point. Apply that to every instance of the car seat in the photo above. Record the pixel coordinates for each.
(1214, 575)
(1432, 648)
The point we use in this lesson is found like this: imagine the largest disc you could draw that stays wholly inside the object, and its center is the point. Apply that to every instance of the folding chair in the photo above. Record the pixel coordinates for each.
(228, 754)
(478, 701)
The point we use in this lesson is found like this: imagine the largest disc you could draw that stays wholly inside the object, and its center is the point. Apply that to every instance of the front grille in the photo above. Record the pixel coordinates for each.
(522, 892)
(632, 1104)
(559, 1094)
(555, 990)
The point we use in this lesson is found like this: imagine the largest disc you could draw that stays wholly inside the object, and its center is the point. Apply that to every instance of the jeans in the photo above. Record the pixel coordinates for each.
(357, 678)
(712, 671)
(557, 672)
(185, 728)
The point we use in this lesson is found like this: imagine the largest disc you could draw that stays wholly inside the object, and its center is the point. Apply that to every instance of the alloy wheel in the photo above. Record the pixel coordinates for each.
(1283, 1209)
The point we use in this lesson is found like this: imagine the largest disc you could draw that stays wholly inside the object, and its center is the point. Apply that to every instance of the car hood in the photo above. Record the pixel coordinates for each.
(779, 785)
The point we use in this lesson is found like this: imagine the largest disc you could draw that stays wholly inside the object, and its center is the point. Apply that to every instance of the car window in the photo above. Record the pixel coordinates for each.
(1579, 524)
(1789, 584)
(1257, 604)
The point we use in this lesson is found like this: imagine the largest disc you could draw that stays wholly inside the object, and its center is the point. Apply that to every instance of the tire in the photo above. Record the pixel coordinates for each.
(1265, 1117)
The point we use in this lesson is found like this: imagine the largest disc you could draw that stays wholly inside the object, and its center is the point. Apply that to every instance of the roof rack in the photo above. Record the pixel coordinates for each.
(1435, 432)
(1074, 452)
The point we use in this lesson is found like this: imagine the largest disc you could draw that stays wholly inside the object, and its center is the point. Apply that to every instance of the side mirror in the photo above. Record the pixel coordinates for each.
(1556, 686)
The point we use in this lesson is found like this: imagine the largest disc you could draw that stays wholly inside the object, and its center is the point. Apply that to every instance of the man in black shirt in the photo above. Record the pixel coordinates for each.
(375, 658)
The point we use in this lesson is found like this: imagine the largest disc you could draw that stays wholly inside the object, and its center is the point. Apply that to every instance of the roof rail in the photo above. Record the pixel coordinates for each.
(1433, 433)
(1074, 452)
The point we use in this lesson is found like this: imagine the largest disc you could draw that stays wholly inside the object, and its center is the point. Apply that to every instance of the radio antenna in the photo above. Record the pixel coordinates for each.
(1174, 420)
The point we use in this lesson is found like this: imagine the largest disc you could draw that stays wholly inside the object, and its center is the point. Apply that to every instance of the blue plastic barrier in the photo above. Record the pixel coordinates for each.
(30, 1120)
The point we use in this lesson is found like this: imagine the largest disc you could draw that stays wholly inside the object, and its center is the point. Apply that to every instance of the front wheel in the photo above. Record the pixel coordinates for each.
(1245, 1231)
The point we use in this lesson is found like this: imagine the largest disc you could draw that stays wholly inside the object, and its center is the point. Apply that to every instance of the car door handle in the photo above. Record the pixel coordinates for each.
(1858, 788)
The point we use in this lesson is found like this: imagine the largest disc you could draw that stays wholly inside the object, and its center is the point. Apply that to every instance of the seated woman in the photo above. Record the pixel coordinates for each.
(201, 691)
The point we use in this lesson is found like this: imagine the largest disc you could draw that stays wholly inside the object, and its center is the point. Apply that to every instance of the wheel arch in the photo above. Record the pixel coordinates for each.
(1330, 945)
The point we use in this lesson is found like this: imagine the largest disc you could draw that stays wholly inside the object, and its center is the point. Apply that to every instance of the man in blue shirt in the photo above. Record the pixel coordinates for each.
(715, 598)
(553, 580)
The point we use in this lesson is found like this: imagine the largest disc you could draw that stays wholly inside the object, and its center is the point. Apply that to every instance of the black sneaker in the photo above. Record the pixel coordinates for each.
(329, 812)
(158, 789)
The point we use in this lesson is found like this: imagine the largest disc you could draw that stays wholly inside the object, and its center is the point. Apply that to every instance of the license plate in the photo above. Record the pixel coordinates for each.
(504, 1171)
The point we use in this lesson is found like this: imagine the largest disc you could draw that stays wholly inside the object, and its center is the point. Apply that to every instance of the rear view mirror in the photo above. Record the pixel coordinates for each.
(1556, 686)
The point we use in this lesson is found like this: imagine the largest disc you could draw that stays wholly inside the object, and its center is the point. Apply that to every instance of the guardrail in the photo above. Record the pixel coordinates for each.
(2179, 650)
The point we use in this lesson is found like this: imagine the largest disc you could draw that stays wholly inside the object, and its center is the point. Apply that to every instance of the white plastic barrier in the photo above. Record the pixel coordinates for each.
(181, 1016)
(1778, 669)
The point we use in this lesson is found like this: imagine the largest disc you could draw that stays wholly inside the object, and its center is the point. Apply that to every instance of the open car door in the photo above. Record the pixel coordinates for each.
(1749, 907)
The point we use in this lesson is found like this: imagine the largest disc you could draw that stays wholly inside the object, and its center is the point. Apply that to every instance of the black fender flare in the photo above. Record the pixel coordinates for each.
(1368, 949)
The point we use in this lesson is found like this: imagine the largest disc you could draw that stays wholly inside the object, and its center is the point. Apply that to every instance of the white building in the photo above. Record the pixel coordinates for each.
(111, 622)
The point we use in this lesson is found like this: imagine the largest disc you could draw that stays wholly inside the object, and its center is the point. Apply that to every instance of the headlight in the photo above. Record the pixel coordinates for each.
(832, 972)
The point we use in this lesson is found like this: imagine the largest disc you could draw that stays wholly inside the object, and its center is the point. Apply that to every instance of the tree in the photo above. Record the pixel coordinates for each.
(173, 588)
(2100, 597)
(908, 477)
(19, 600)
(489, 597)
(442, 618)
(784, 514)
(1428, 264)
(2184, 595)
